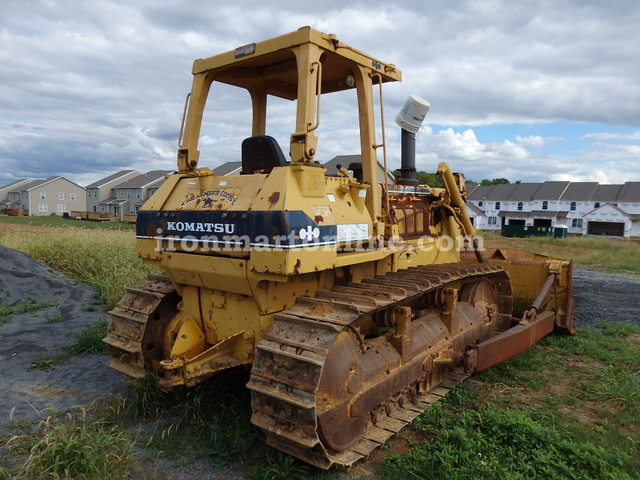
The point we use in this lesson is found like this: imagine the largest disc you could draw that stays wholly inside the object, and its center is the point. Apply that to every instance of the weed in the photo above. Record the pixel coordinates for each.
(6, 311)
(45, 365)
(88, 340)
(145, 399)
(31, 305)
(76, 449)
(281, 466)
(55, 316)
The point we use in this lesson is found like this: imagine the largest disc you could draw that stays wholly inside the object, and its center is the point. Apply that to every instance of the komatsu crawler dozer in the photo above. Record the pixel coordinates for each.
(357, 301)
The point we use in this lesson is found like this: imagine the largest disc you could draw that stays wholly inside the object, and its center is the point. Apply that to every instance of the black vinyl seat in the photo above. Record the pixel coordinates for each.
(260, 154)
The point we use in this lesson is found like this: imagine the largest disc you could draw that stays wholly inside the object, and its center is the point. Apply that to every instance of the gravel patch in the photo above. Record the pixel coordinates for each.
(34, 384)
(605, 297)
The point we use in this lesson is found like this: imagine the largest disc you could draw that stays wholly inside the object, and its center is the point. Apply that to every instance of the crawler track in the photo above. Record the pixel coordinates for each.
(135, 347)
(292, 399)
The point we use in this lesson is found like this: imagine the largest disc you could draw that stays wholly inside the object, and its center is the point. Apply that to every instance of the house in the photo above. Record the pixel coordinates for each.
(234, 168)
(229, 168)
(50, 196)
(582, 207)
(347, 160)
(100, 190)
(127, 197)
(5, 190)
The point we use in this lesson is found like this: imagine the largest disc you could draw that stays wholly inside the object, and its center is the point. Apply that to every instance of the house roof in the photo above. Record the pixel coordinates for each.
(553, 190)
(525, 191)
(579, 191)
(550, 191)
(144, 180)
(499, 192)
(114, 201)
(475, 210)
(229, 168)
(606, 193)
(40, 182)
(346, 160)
(106, 180)
(15, 183)
(534, 213)
(630, 192)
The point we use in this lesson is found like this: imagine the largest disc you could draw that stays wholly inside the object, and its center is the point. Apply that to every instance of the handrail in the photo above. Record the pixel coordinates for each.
(384, 150)
(184, 116)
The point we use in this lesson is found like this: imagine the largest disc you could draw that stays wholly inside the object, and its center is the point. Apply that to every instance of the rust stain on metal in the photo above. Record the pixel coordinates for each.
(318, 219)
(273, 199)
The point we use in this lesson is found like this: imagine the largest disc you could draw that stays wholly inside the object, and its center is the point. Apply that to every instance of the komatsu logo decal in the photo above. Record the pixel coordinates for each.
(200, 227)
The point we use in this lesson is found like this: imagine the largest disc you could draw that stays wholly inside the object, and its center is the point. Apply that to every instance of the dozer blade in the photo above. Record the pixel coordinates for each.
(528, 273)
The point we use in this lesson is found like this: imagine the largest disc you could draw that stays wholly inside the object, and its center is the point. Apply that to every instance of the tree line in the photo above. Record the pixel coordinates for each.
(433, 179)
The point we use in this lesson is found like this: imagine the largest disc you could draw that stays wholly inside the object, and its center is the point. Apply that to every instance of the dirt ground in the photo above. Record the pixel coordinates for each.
(34, 384)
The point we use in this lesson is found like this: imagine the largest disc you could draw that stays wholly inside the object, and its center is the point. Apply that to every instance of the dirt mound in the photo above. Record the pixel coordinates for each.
(41, 309)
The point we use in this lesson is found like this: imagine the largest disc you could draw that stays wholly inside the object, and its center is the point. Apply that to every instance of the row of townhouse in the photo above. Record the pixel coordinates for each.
(584, 208)
(117, 195)
(124, 192)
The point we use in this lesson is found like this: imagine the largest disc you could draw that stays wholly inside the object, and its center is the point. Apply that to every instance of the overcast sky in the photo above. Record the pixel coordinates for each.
(526, 90)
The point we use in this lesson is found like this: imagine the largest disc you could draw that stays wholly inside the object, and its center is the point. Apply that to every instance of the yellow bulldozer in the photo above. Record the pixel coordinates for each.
(356, 301)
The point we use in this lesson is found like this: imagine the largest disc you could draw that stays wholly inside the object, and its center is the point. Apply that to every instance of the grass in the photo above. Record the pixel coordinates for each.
(579, 422)
(57, 221)
(209, 420)
(74, 448)
(88, 340)
(8, 311)
(601, 253)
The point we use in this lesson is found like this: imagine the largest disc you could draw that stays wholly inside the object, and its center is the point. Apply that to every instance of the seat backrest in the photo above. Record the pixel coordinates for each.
(261, 152)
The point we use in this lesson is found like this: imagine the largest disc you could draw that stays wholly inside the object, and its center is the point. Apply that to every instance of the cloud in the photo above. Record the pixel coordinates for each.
(95, 87)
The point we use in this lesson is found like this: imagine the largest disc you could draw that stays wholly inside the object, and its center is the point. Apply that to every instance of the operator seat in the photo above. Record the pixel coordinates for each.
(261, 153)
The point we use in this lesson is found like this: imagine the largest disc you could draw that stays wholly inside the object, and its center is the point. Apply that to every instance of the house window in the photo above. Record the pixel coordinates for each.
(72, 196)
(572, 207)
(61, 196)
(139, 194)
(62, 207)
(576, 223)
(43, 207)
(545, 205)
(497, 205)
(480, 204)
(492, 220)
(43, 195)
(94, 208)
(596, 205)
(519, 205)
(121, 193)
(88, 193)
(128, 193)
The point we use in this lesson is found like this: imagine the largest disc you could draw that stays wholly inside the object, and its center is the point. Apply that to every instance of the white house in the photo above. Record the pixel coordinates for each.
(580, 206)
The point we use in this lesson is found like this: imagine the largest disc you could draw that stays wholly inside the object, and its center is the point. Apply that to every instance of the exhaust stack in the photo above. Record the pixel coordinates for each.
(409, 119)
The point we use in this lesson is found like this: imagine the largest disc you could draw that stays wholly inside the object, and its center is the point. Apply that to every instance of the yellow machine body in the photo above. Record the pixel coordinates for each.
(356, 286)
